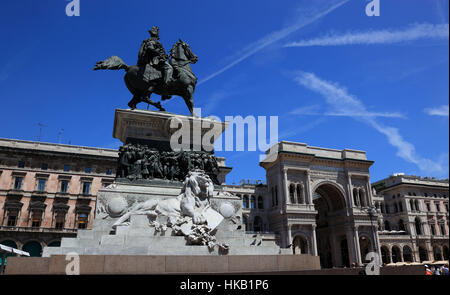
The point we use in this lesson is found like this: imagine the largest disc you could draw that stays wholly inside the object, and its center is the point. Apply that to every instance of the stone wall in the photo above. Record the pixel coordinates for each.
(131, 264)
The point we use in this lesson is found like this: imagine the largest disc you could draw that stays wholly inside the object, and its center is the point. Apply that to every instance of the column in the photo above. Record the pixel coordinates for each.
(350, 191)
(286, 188)
(369, 193)
(351, 246)
(308, 197)
(314, 240)
(357, 246)
(290, 242)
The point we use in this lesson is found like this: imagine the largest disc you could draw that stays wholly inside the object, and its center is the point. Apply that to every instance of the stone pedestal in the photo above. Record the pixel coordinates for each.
(155, 129)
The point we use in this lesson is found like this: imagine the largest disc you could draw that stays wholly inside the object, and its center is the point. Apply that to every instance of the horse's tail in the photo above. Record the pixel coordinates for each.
(112, 63)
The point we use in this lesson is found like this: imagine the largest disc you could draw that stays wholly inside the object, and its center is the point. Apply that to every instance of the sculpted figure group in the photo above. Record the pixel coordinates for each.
(142, 162)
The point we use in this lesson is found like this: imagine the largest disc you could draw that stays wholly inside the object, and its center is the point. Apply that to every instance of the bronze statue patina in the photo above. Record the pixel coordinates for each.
(157, 72)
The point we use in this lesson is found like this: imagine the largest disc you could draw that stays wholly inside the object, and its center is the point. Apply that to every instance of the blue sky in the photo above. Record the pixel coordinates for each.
(335, 77)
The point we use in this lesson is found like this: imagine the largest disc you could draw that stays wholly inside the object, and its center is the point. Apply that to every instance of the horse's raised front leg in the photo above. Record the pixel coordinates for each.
(189, 100)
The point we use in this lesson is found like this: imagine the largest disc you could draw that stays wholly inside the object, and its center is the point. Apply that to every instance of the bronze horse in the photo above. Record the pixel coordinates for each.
(182, 83)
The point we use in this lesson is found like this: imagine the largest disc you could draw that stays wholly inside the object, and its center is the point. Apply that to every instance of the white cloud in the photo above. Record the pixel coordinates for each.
(439, 111)
(272, 38)
(413, 32)
(339, 99)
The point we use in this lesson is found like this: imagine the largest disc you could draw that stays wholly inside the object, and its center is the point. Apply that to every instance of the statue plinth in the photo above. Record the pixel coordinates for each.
(154, 129)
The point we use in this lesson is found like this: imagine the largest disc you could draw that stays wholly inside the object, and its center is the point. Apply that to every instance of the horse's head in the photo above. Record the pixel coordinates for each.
(182, 51)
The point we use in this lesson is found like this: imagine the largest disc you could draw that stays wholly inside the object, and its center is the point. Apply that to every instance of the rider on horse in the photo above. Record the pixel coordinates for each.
(153, 58)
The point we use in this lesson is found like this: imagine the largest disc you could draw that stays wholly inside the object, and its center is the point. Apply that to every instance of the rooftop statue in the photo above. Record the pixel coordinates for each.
(157, 72)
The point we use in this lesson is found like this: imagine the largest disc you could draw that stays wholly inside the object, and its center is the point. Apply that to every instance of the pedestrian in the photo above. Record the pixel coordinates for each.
(445, 270)
(437, 271)
(428, 271)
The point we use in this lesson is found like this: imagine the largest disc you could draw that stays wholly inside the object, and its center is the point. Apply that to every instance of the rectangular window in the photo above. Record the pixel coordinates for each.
(21, 164)
(86, 188)
(60, 221)
(428, 207)
(66, 168)
(82, 221)
(18, 183)
(87, 170)
(36, 219)
(64, 186)
(44, 166)
(41, 184)
(12, 218)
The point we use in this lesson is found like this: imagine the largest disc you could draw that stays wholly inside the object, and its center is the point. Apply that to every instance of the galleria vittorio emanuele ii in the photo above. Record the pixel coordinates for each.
(223, 147)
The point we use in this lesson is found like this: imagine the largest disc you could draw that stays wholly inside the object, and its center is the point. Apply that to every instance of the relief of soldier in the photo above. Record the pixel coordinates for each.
(138, 161)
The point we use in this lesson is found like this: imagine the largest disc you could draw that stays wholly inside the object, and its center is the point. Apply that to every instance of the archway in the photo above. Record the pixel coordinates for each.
(300, 245)
(328, 201)
(385, 255)
(34, 248)
(9, 243)
(54, 244)
(407, 254)
(423, 254)
(396, 255)
(364, 247)
(437, 253)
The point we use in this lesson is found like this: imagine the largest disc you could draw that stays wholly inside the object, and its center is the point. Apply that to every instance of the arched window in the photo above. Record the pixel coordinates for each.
(400, 207)
(445, 248)
(385, 255)
(395, 208)
(443, 231)
(433, 229)
(387, 225)
(383, 208)
(396, 257)
(355, 197)
(437, 253)
(34, 248)
(418, 226)
(252, 202)
(411, 205)
(407, 254)
(292, 193)
(362, 198)
(260, 202)
(245, 201)
(417, 205)
(300, 198)
(300, 245)
(423, 254)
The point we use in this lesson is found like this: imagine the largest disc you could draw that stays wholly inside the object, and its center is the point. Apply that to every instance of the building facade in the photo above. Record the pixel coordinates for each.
(414, 220)
(48, 191)
(315, 201)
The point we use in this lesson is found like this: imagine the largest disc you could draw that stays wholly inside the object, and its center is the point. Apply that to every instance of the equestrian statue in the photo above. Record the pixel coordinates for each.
(157, 72)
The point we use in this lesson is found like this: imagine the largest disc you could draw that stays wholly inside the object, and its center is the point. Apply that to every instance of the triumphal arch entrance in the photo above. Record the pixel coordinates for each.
(323, 202)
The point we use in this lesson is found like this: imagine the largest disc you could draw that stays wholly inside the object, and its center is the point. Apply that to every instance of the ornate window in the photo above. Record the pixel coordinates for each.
(18, 180)
(86, 188)
(260, 202)
(418, 226)
(252, 202)
(245, 201)
(292, 193)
